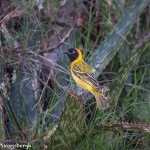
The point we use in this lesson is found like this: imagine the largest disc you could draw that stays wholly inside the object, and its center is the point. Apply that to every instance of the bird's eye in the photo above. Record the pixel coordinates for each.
(73, 52)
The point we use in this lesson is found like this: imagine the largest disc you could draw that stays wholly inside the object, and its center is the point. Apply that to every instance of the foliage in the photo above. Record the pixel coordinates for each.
(37, 105)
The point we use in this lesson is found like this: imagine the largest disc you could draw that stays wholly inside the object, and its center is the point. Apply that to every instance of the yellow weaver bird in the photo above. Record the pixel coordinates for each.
(83, 75)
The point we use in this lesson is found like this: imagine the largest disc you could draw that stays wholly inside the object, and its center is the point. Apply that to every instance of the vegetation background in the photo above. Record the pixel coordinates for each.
(35, 82)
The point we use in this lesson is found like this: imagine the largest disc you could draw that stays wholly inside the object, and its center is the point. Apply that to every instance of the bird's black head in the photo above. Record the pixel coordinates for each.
(72, 54)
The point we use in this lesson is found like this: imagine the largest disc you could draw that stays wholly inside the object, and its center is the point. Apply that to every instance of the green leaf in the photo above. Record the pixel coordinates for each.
(118, 84)
(70, 126)
(22, 97)
(114, 41)
(2, 129)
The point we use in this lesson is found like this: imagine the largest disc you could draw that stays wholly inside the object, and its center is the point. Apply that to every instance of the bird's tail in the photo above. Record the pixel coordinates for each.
(101, 102)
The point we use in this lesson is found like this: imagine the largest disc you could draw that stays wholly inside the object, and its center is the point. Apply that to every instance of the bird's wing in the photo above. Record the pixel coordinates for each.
(84, 72)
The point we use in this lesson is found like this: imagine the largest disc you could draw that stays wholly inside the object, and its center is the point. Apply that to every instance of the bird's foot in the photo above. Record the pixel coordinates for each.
(71, 94)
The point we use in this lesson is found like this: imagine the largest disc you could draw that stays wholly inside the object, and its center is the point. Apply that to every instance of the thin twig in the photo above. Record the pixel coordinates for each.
(57, 44)
(43, 90)
(122, 126)
(138, 87)
(12, 14)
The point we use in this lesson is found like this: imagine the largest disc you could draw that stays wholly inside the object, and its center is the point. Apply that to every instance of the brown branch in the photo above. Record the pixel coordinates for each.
(57, 44)
(12, 14)
(125, 126)
(9, 36)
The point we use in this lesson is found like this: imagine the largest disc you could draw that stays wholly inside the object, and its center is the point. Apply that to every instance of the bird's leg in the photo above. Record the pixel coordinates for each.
(104, 92)
(105, 89)
(71, 94)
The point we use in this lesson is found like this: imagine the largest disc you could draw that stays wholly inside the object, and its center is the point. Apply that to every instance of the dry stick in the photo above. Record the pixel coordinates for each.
(15, 13)
(122, 126)
(58, 43)
(63, 69)
(12, 14)
(49, 49)
(7, 35)
(138, 87)
(7, 8)
(42, 91)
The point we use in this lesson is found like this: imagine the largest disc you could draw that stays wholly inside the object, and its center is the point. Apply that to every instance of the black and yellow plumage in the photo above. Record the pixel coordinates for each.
(83, 75)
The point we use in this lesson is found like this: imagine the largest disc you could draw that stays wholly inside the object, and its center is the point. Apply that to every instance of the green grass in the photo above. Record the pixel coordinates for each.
(30, 78)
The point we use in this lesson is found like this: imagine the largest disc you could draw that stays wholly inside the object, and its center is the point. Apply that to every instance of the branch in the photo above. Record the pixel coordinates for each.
(120, 126)
(12, 14)
(57, 44)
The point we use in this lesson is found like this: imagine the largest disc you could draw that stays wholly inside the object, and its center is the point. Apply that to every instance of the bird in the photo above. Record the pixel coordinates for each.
(83, 75)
